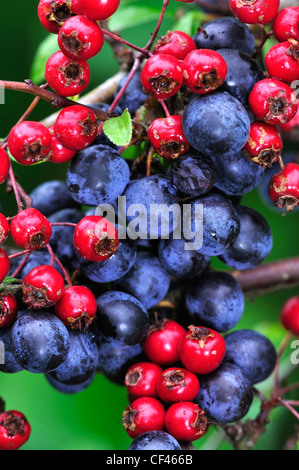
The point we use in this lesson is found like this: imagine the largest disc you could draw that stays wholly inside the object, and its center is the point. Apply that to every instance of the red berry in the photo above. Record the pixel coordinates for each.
(42, 286)
(77, 307)
(254, 11)
(204, 70)
(201, 350)
(14, 430)
(95, 238)
(162, 76)
(167, 137)
(290, 315)
(264, 144)
(99, 9)
(176, 43)
(76, 7)
(142, 378)
(143, 415)
(4, 264)
(4, 228)
(80, 38)
(30, 229)
(29, 142)
(76, 127)
(8, 309)
(177, 384)
(53, 13)
(4, 165)
(65, 76)
(58, 153)
(185, 421)
(282, 61)
(286, 24)
(273, 101)
(284, 187)
(162, 341)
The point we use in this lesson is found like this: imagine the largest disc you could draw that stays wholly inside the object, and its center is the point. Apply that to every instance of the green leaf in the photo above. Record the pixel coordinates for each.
(46, 48)
(190, 21)
(131, 16)
(119, 129)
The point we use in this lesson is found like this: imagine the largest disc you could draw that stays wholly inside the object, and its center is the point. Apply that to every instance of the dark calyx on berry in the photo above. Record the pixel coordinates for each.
(35, 151)
(88, 126)
(293, 50)
(199, 334)
(72, 43)
(81, 323)
(277, 107)
(174, 378)
(35, 297)
(13, 424)
(163, 84)
(128, 418)
(172, 149)
(60, 13)
(201, 421)
(209, 81)
(106, 246)
(72, 73)
(133, 377)
(37, 240)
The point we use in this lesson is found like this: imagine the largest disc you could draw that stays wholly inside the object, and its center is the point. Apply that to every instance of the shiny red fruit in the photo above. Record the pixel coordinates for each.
(185, 421)
(162, 76)
(76, 127)
(290, 315)
(99, 10)
(282, 61)
(286, 24)
(77, 307)
(4, 165)
(273, 101)
(177, 384)
(30, 229)
(204, 71)
(4, 264)
(255, 11)
(4, 228)
(264, 144)
(162, 342)
(143, 415)
(53, 13)
(42, 286)
(8, 309)
(284, 187)
(167, 137)
(141, 380)
(14, 430)
(176, 43)
(29, 142)
(58, 153)
(201, 350)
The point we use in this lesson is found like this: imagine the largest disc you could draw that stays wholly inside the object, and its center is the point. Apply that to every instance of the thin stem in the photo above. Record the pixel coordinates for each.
(158, 25)
(15, 189)
(64, 224)
(52, 255)
(280, 161)
(20, 253)
(65, 274)
(149, 161)
(163, 104)
(126, 43)
(22, 264)
(27, 199)
(288, 388)
(289, 407)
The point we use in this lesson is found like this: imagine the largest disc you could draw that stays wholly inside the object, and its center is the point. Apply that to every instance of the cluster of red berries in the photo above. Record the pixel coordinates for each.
(162, 393)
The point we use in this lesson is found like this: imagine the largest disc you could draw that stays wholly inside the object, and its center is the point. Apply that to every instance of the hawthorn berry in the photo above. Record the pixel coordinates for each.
(65, 76)
(14, 430)
(143, 415)
(204, 70)
(30, 229)
(4, 165)
(282, 61)
(4, 264)
(284, 187)
(76, 127)
(289, 316)
(201, 349)
(162, 342)
(80, 38)
(53, 13)
(29, 142)
(99, 10)
(42, 286)
(177, 384)
(142, 378)
(167, 137)
(77, 307)
(264, 144)
(185, 421)
(286, 24)
(176, 43)
(95, 238)
(254, 11)
(162, 76)
(58, 153)
(4, 228)
(273, 101)
(8, 309)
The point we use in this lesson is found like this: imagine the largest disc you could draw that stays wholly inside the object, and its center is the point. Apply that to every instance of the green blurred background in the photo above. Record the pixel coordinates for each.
(91, 419)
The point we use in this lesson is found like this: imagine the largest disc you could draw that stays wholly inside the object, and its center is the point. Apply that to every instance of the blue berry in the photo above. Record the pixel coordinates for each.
(225, 32)
(66, 388)
(216, 301)
(243, 73)
(141, 280)
(52, 196)
(81, 362)
(39, 342)
(97, 175)
(10, 364)
(254, 242)
(236, 174)
(133, 97)
(155, 440)
(225, 394)
(179, 262)
(216, 124)
(193, 174)
(252, 352)
(121, 317)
